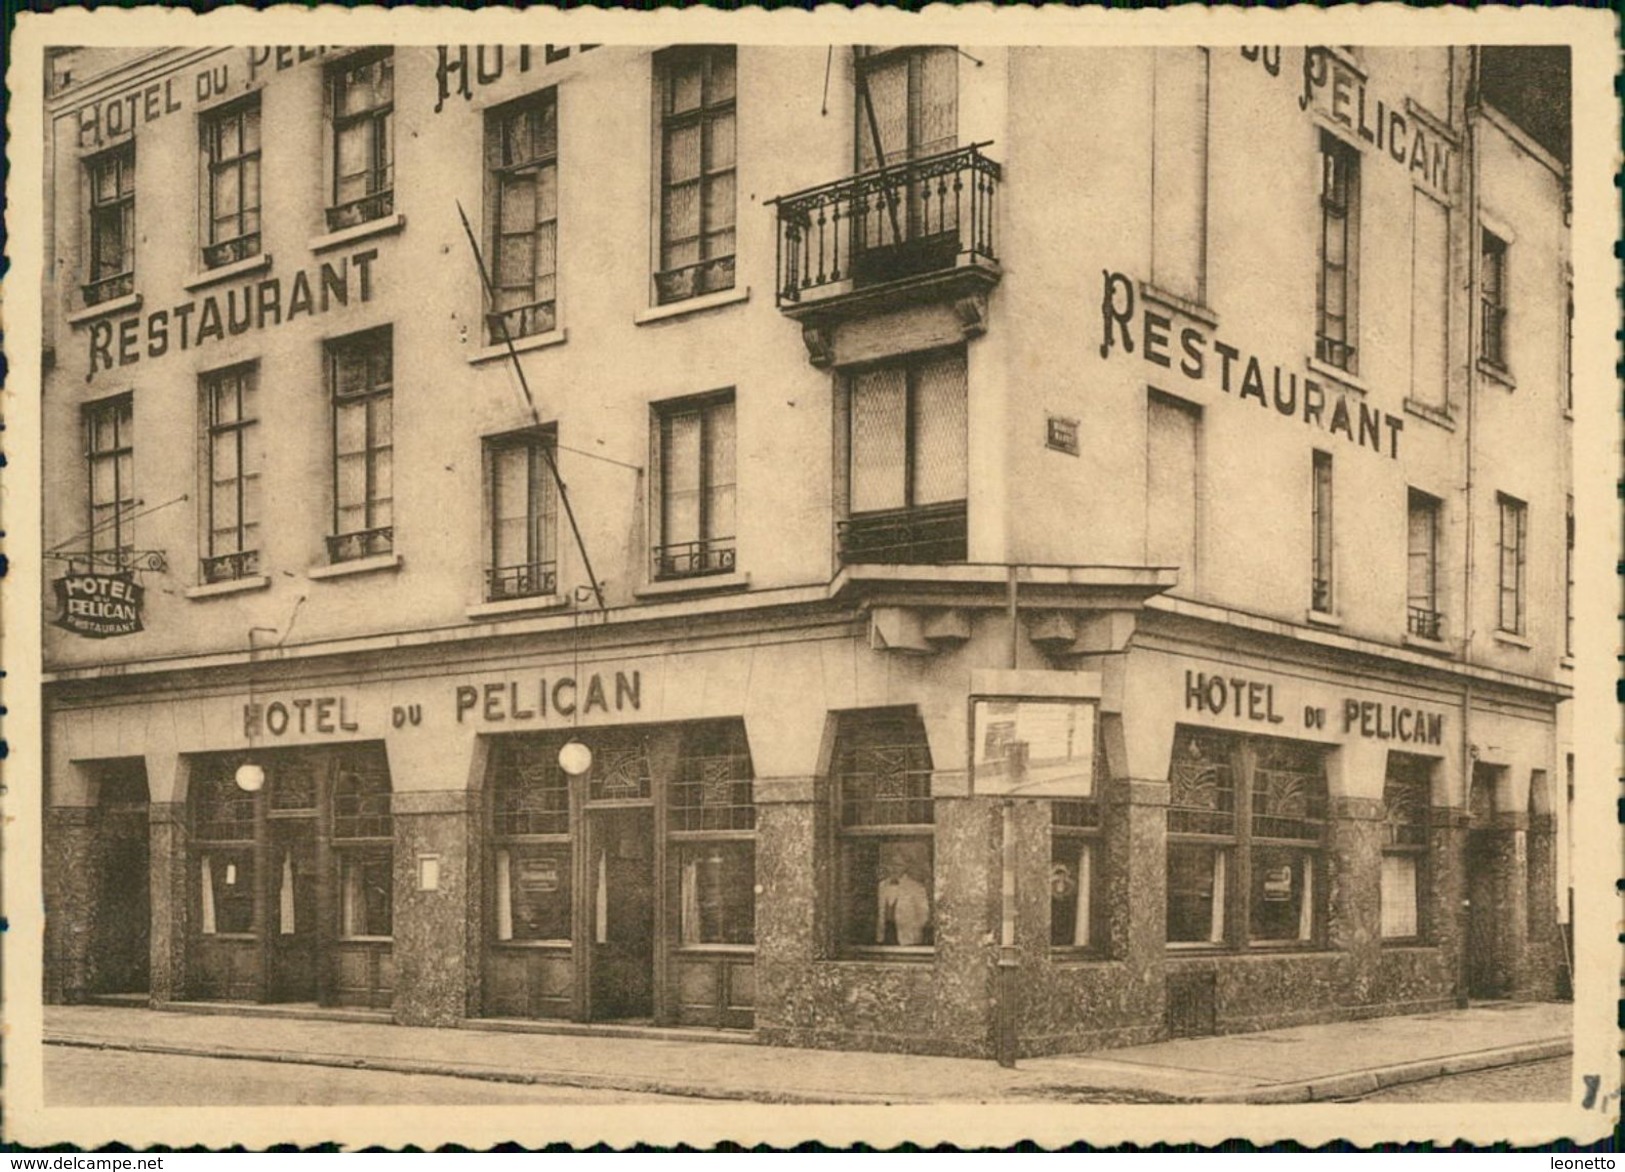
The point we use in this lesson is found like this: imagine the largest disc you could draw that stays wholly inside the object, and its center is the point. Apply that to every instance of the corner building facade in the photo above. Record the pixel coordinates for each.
(1195, 467)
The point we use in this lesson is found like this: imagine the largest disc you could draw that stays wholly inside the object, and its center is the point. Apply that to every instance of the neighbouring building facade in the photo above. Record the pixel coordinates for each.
(802, 513)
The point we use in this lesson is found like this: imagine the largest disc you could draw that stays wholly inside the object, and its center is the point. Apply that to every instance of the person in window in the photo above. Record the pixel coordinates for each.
(905, 904)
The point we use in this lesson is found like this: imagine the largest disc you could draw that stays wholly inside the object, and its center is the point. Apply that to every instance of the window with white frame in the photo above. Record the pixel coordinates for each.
(360, 378)
(110, 464)
(1338, 287)
(522, 507)
(697, 96)
(1422, 612)
(694, 452)
(110, 224)
(361, 113)
(231, 159)
(1511, 549)
(522, 211)
(232, 474)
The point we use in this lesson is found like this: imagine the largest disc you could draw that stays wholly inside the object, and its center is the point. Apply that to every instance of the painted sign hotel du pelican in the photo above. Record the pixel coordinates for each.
(98, 606)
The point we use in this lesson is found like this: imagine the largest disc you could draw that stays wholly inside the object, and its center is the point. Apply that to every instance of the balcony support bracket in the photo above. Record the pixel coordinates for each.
(820, 343)
(972, 313)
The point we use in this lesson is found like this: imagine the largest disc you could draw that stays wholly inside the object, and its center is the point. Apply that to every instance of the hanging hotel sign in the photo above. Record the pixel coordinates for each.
(98, 606)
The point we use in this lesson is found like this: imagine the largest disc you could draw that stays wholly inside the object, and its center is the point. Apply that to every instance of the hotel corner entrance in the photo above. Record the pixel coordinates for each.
(623, 888)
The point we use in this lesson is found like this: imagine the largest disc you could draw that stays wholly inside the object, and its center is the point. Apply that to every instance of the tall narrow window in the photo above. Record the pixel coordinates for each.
(697, 189)
(523, 510)
(1430, 299)
(694, 447)
(1076, 866)
(885, 827)
(1513, 535)
(1568, 353)
(1179, 172)
(360, 372)
(1492, 293)
(1422, 566)
(1406, 794)
(1320, 519)
(1287, 828)
(530, 829)
(1337, 303)
(232, 488)
(361, 106)
(1173, 485)
(231, 152)
(522, 210)
(1202, 836)
(109, 458)
(363, 840)
(712, 821)
(1568, 578)
(110, 177)
(906, 472)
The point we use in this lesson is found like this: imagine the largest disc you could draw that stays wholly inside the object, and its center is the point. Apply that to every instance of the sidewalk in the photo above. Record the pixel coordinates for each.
(1276, 1066)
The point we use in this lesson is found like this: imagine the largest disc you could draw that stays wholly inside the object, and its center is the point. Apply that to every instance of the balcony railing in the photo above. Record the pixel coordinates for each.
(708, 276)
(364, 543)
(1320, 595)
(694, 559)
(1423, 622)
(527, 580)
(1335, 352)
(522, 321)
(107, 288)
(231, 567)
(905, 220)
(1492, 345)
(227, 252)
(924, 535)
(360, 211)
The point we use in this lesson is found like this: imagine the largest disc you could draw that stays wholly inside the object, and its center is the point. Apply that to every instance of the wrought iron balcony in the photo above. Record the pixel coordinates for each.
(364, 543)
(694, 559)
(107, 288)
(900, 223)
(923, 535)
(227, 252)
(527, 580)
(231, 567)
(1424, 623)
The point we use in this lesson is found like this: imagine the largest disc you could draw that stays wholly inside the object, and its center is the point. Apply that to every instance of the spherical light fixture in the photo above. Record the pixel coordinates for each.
(575, 758)
(250, 777)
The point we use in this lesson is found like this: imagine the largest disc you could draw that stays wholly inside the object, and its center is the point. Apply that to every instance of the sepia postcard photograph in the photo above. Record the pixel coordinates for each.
(965, 576)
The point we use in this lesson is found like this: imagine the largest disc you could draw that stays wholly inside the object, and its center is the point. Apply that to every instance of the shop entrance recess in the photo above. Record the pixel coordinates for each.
(621, 887)
(123, 905)
(291, 942)
(1485, 974)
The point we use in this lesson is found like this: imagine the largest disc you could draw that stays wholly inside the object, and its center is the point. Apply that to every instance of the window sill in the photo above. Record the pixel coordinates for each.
(520, 345)
(235, 586)
(379, 227)
(510, 606)
(1343, 378)
(1566, 663)
(1513, 639)
(383, 561)
(890, 953)
(700, 584)
(699, 304)
(1071, 954)
(105, 309)
(534, 945)
(1497, 374)
(1191, 309)
(1434, 646)
(1322, 618)
(1436, 415)
(365, 940)
(230, 936)
(240, 268)
(727, 949)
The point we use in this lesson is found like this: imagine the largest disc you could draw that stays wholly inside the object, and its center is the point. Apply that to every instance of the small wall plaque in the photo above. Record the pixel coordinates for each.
(1062, 435)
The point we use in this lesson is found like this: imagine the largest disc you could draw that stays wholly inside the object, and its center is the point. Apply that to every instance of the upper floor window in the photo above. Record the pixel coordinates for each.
(694, 449)
(1422, 566)
(1568, 578)
(110, 178)
(523, 510)
(1173, 442)
(1338, 289)
(109, 457)
(1179, 171)
(906, 453)
(1511, 547)
(360, 379)
(697, 185)
(231, 152)
(907, 103)
(522, 209)
(361, 105)
(1492, 299)
(232, 484)
(1320, 518)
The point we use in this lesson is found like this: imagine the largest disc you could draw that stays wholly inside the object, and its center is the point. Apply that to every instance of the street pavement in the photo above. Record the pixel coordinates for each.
(1320, 1062)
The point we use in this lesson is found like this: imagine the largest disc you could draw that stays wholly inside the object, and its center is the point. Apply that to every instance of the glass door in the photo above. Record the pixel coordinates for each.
(292, 878)
(621, 912)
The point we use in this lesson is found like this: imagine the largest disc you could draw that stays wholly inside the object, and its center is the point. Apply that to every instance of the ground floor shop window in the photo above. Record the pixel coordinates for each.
(711, 817)
(533, 891)
(530, 822)
(366, 886)
(886, 866)
(716, 892)
(1246, 830)
(1406, 794)
(226, 885)
(1073, 870)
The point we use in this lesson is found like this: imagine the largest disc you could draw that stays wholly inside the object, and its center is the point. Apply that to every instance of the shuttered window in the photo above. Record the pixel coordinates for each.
(1430, 299)
(1179, 172)
(1173, 483)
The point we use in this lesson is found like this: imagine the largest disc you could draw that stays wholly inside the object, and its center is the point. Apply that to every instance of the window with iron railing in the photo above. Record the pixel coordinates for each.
(522, 507)
(1320, 520)
(1511, 547)
(109, 430)
(696, 165)
(1492, 299)
(1338, 287)
(906, 462)
(361, 108)
(694, 452)
(232, 484)
(522, 211)
(231, 159)
(1422, 566)
(360, 377)
(110, 230)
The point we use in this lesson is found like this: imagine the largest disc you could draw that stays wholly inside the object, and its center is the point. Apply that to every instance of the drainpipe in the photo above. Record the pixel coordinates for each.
(1008, 985)
(1470, 206)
